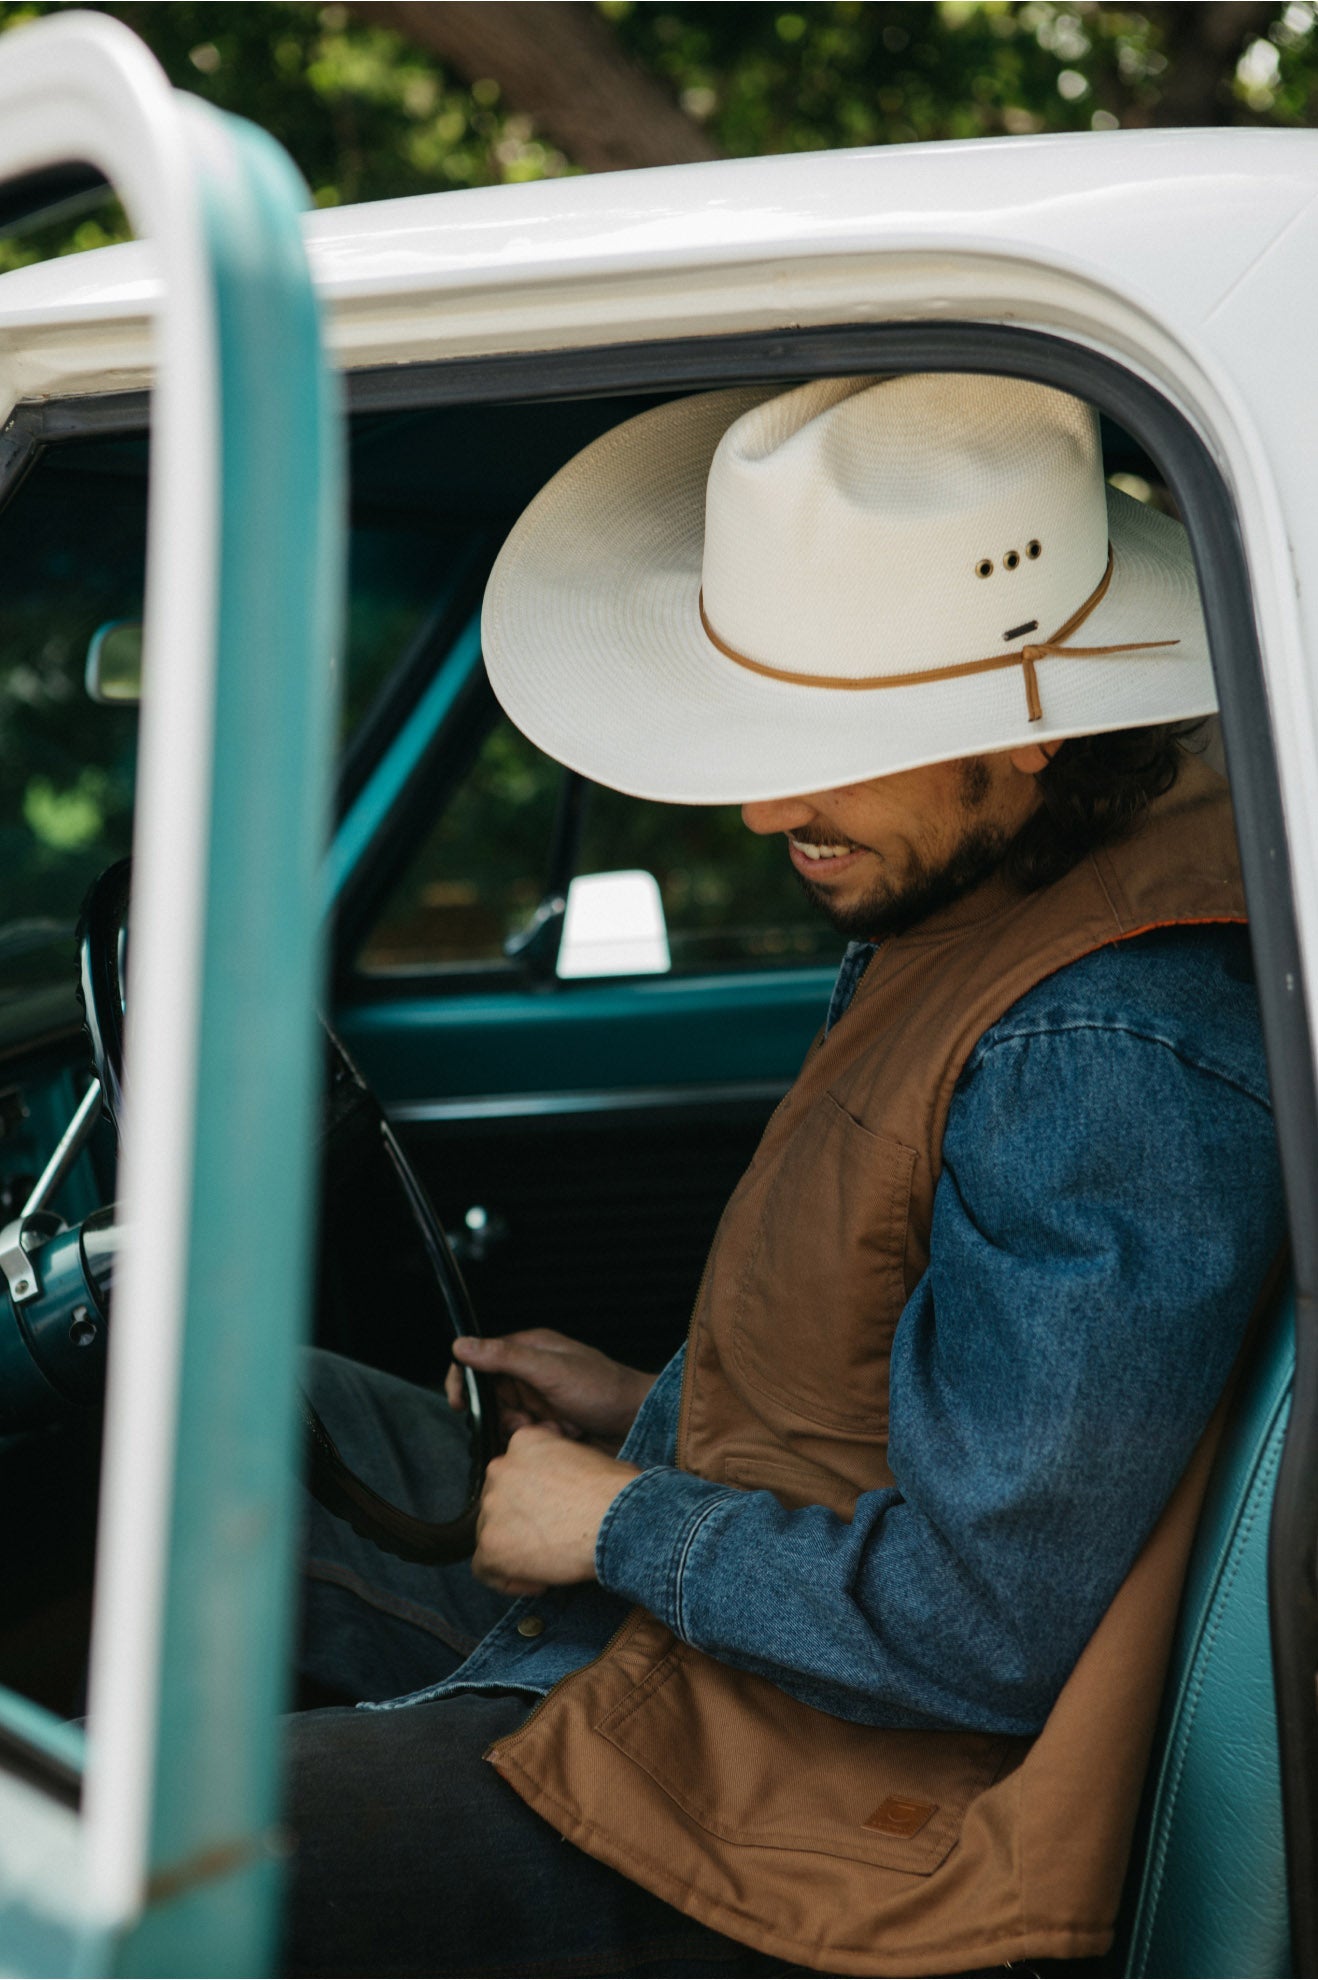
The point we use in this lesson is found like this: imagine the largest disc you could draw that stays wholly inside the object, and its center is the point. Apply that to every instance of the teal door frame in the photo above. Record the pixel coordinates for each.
(171, 1864)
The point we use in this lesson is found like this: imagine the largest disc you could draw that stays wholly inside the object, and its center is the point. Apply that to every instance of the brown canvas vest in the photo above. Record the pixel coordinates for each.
(861, 1849)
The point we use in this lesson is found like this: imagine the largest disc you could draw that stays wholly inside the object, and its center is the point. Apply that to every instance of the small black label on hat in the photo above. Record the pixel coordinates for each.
(1031, 625)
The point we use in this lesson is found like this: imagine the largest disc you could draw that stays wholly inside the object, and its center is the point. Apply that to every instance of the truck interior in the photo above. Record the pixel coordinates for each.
(578, 1139)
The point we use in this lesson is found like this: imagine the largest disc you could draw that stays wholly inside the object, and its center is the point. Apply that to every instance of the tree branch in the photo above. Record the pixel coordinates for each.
(1204, 42)
(558, 63)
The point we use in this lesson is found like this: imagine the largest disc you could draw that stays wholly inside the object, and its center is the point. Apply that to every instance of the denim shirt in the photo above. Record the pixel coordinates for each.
(1109, 1203)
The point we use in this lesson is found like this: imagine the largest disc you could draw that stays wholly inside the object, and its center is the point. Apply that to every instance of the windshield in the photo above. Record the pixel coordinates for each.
(72, 559)
(72, 554)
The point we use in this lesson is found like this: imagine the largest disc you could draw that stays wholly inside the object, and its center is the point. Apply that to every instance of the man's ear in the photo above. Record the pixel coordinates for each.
(1033, 758)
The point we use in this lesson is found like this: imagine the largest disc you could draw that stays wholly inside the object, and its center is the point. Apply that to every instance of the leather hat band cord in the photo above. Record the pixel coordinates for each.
(1024, 657)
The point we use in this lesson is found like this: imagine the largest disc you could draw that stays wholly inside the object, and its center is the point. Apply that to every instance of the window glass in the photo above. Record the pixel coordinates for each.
(72, 545)
(398, 568)
(730, 899)
(479, 873)
(72, 556)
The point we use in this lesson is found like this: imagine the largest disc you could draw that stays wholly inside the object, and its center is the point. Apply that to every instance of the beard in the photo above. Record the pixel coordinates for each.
(891, 908)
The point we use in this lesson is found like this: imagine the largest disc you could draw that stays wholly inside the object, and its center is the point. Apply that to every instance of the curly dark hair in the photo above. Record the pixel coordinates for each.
(1096, 788)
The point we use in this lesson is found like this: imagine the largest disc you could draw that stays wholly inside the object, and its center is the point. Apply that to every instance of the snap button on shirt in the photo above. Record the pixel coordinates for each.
(531, 1626)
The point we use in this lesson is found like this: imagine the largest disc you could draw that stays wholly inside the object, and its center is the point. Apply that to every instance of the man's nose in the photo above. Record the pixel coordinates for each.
(777, 815)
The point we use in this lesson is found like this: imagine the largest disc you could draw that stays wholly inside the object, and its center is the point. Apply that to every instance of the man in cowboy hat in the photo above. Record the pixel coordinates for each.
(839, 1644)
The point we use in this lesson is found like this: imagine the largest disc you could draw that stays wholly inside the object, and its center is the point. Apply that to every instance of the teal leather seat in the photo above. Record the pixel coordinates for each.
(1208, 1891)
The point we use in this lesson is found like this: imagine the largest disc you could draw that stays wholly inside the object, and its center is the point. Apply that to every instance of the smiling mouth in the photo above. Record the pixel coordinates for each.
(818, 853)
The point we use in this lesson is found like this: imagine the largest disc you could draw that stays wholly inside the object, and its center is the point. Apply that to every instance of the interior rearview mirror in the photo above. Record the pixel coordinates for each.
(114, 662)
(614, 925)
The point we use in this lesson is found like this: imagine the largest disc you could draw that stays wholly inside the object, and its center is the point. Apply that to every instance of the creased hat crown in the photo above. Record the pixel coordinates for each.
(857, 528)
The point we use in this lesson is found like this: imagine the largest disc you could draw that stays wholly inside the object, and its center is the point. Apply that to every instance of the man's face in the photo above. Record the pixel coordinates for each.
(878, 857)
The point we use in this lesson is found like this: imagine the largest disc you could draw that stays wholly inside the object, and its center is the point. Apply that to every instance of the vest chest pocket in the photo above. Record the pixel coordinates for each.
(753, 1766)
(823, 1283)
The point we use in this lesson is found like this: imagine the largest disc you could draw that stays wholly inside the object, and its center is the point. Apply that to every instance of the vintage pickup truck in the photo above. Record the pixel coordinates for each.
(324, 804)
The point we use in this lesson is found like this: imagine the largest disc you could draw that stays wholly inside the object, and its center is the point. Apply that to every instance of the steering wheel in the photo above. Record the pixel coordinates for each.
(359, 1154)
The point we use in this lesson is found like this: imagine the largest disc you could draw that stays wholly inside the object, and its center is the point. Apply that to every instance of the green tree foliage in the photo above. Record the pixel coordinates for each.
(368, 115)
(810, 77)
(364, 114)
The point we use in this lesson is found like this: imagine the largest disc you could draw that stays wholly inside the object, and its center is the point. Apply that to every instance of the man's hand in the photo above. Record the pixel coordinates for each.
(543, 1377)
(541, 1510)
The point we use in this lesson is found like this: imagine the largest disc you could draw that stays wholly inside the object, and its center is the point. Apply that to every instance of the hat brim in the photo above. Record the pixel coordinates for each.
(594, 644)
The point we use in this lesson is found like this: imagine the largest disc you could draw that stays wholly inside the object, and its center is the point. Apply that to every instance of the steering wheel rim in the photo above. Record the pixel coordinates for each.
(102, 966)
(102, 977)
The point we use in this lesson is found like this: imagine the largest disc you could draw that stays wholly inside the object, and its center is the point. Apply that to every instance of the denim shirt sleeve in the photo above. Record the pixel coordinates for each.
(652, 1438)
(1108, 1206)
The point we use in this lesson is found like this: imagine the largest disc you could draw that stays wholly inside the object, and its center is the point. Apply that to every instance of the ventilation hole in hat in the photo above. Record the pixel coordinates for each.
(1011, 559)
(1034, 548)
(984, 568)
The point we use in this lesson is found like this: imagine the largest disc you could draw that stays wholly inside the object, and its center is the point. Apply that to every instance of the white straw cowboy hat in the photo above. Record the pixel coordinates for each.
(740, 596)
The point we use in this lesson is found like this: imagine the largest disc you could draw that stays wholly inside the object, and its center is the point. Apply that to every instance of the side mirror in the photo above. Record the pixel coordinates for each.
(114, 663)
(613, 925)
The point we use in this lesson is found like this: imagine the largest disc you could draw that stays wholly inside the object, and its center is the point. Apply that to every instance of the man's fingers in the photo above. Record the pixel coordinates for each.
(500, 1356)
(524, 1397)
(524, 1353)
(455, 1388)
(478, 1352)
(546, 1377)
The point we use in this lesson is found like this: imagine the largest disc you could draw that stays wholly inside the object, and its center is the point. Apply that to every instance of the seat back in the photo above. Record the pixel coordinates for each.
(1208, 1889)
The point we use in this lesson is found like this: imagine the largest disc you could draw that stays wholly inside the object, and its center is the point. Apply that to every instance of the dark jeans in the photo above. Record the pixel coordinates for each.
(411, 1855)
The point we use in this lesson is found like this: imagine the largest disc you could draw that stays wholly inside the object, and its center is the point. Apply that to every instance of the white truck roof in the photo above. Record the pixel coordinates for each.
(1167, 223)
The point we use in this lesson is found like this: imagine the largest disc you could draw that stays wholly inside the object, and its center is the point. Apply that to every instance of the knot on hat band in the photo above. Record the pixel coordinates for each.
(1024, 657)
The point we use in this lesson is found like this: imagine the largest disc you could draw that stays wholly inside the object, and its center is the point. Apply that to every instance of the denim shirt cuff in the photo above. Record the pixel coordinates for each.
(652, 1438)
(648, 1537)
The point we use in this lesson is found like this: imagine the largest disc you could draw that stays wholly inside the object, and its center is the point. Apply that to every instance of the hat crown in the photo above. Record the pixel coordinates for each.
(855, 528)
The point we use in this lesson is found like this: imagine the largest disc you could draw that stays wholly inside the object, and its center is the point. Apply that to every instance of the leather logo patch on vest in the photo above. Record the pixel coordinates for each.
(898, 1816)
